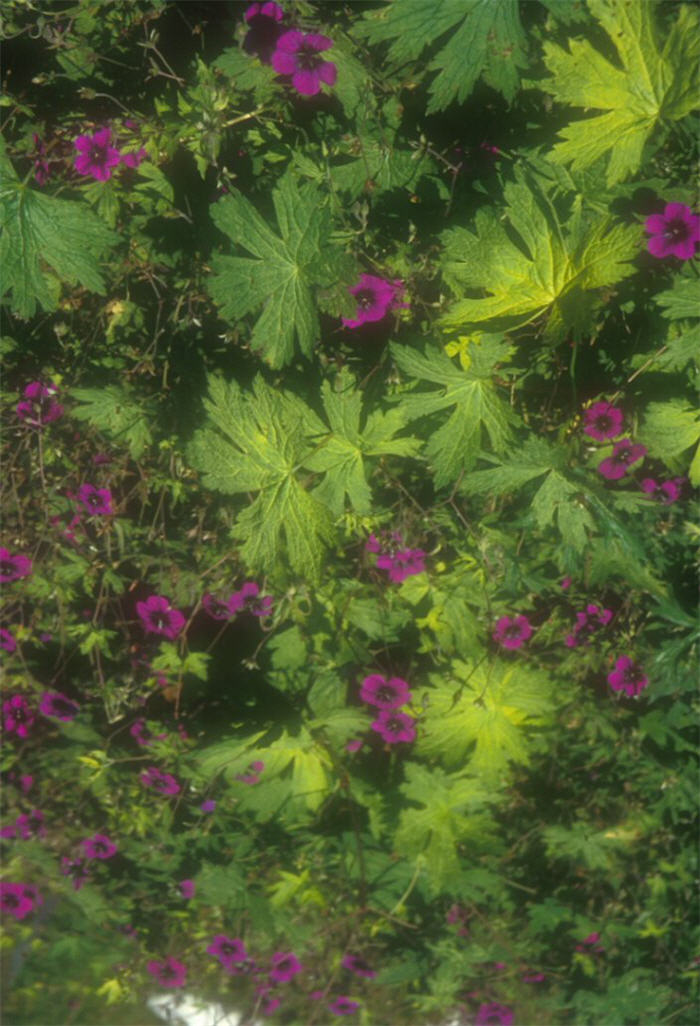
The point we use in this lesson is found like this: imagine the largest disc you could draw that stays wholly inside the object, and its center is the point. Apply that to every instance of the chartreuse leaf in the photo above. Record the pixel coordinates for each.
(479, 37)
(283, 272)
(550, 272)
(256, 442)
(479, 411)
(45, 241)
(482, 719)
(449, 813)
(668, 430)
(655, 79)
(353, 440)
(117, 412)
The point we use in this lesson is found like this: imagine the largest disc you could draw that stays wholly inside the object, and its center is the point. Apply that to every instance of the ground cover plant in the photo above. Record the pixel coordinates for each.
(350, 452)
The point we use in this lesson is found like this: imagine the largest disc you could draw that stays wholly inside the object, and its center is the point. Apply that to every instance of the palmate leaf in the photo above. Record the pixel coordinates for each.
(482, 719)
(117, 412)
(282, 275)
(479, 411)
(668, 430)
(342, 454)
(550, 273)
(45, 241)
(656, 79)
(479, 38)
(256, 443)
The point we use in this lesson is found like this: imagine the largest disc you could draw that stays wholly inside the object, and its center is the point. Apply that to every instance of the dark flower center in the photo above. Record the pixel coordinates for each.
(386, 693)
(603, 422)
(394, 726)
(99, 847)
(676, 231)
(161, 620)
(308, 58)
(365, 298)
(623, 456)
(7, 567)
(98, 154)
(632, 675)
(10, 901)
(168, 973)
(513, 631)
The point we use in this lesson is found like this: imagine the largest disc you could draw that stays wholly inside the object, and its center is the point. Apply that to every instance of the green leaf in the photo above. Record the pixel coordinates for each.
(655, 80)
(479, 412)
(581, 844)
(485, 715)
(342, 454)
(117, 412)
(668, 430)
(284, 270)
(257, 443)
(681, 300)
(38, 232)
(550, 272)
(485, 39)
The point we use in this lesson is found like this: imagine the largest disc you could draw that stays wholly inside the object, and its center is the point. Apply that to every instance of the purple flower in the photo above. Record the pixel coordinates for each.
(385, 694)
(29, 825)
(343, 1006)
(217, 608)
(134, 158)
(673, 233)
(357, 965)
(228, 950)
(268, 9)
(17, 716)
(39, 406)
(18, 899)
(41, 165)
(99, 847)
(97, 501)
(624, 454)
(284, 966)
(533, 977)
(270, 1006)
(297, 55)
(96, 156)
(375, 297)
(163, 783)
(588, 622)
(602, 420)
(142, 735)
(494, 1014)
(252, 775)
(354, 745)
(12, 568)
(158, 617)
(402, 564)
(394, 726)
(169, 973)
(667, 492)
(248, 600)
(628, 677)
(76, 869)
(512, 631)
(6, 640)
(208, 806)
(187, 888)
(566, 583)
(59, 706)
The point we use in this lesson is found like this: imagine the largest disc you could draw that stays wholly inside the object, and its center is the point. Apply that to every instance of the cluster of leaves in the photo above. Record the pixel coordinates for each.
(493, 164)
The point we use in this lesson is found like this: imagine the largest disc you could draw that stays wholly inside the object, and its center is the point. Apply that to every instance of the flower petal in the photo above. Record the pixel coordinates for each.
(306, 82)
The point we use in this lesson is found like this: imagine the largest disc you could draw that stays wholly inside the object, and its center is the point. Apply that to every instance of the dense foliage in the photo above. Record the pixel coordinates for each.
(350, 399)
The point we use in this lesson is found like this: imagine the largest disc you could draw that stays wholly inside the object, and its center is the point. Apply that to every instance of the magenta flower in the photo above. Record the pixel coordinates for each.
(58, 706)
(494, 1014)
(158, 617)
(343, 1006)
(18, 899)
(142, 735)
(134, 158)
(533, 977)
(248, 600)
(96, 156)
(29, 825)
(97, 501)
(6, 640)
(297, 55)
(602, 420)
(252, 774)
(673, 233)
(163, 783)
(588, 622)
(17, 716)
(187, 888)
(41, 165)
(169, 973)
(12, 568)
(39, 406)
(566, 583)
(208, 806)
(627, 676)
(624, 454)
(402, 564)
(217, 608)
(385, 694)
(228, 950)
(667, 491)
(394, 726)
(264, 29)
(512, 631)
(266, 10)
(354, 745)
(285, 965)
(76, 870)
(271, 1005)
(99, 847)
(591, 942)
(357, 965)
(375, 297)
